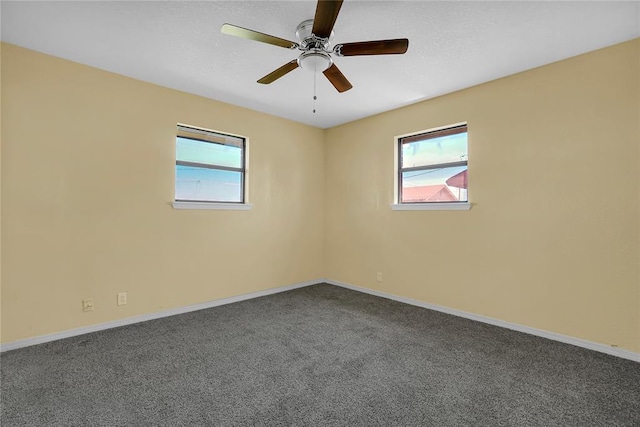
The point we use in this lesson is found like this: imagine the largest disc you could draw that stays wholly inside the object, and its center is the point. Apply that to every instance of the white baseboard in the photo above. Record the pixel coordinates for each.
(602, 348)
(144, 317)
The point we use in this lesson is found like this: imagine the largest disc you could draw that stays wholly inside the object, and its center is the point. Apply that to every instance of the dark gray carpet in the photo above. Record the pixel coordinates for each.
(320, 355)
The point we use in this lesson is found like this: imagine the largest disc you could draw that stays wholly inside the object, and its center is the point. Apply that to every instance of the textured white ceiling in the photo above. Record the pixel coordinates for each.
(452, 45)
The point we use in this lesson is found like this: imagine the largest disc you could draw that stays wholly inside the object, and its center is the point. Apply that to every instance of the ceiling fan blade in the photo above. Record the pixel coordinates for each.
(275, 75)
(244, 33)
(326, 15)
(337, 79)
(377, 47)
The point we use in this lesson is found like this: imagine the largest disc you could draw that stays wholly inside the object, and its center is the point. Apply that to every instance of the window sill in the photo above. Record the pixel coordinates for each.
(465, 206)
(211, 205)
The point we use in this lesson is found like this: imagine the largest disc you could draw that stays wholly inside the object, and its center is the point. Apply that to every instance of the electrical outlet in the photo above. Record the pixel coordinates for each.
(379, 277)
(87, 304)
(122, 298)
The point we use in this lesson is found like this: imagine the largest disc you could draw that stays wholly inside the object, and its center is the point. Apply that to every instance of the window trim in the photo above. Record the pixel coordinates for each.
(441, 206)
(243, 170)
(397, 158)
(213, 206)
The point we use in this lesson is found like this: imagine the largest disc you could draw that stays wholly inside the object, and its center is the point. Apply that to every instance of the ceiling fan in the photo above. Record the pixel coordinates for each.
(314, 37)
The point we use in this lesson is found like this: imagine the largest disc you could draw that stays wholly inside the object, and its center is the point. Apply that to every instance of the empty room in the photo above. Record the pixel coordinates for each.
(349, 213)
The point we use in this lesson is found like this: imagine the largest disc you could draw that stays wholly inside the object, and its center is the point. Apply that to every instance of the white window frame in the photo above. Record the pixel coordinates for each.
(397, 205)
(244, 205)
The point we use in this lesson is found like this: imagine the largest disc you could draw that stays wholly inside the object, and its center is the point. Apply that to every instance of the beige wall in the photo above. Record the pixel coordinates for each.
(552, 239)
(88, 174)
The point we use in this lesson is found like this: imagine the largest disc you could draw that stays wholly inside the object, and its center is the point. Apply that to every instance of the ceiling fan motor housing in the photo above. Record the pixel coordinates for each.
(316, 56)
(304, 33)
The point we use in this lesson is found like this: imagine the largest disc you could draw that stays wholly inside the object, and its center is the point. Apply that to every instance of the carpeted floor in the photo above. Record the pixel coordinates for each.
(320, 355)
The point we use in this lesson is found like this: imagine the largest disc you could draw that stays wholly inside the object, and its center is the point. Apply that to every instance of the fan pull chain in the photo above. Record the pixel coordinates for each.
(315, 78)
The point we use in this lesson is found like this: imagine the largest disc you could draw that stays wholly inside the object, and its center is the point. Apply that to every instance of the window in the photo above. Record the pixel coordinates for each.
(432, 167)
(210, 167)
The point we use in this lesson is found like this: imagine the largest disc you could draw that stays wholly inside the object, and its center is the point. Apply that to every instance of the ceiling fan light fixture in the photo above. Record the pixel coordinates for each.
(315, 61)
